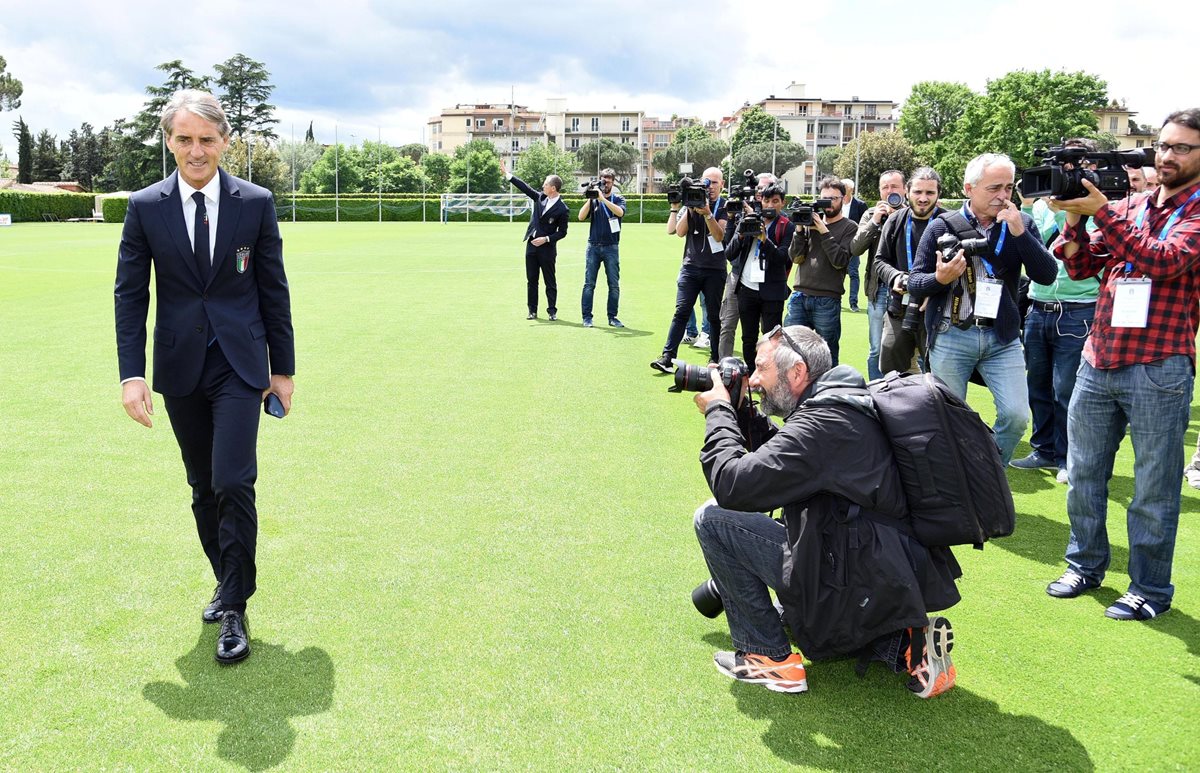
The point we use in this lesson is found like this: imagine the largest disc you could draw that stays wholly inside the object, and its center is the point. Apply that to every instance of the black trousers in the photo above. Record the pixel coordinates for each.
(755, 314)
(692, 281)
(540, 258)
(217, 430)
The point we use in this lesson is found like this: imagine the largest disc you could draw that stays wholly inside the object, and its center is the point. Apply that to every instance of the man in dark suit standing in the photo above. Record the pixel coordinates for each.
(222, 338)
(853, 207)
(547, 224)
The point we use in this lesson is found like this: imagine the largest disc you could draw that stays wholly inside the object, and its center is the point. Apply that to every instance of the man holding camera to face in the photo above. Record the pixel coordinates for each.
(759, 253)
(606, 209)
(968, 265)
(1138, 368)
(902, 331)
(870, 225)
(704, 265)
(849, 582)
(821, 251)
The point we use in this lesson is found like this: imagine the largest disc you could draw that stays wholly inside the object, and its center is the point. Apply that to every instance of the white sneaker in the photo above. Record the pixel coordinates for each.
(689, 338)
(1061, 477)
(702, 341)
(1193, 477)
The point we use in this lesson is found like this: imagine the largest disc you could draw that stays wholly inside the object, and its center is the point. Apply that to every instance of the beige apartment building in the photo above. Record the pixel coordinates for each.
(1115, 119)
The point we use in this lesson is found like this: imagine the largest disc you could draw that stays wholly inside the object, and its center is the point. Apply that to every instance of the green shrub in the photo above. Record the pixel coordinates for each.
(28, 207)
(114, 208)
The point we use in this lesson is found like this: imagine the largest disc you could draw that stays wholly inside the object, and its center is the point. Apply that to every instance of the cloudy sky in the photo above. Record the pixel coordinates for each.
(387, 67)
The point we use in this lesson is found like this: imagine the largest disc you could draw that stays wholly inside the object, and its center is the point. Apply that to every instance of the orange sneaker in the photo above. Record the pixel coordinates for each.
(777, 675)
(935, 674)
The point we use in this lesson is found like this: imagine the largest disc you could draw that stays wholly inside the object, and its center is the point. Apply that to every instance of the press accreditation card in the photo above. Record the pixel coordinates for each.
(987, 297)
(715, 245)
(756, 272)
(614, 225)
(1131, 302)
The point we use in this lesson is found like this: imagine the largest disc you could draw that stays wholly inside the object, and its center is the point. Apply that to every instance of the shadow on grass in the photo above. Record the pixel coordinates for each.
(253, 700)
(1044, 540)
(1173, 622)
(876, 723)
(620, 332)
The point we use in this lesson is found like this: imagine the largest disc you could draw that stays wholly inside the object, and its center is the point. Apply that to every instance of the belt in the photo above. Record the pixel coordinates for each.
(974, 321)
(1056, 306)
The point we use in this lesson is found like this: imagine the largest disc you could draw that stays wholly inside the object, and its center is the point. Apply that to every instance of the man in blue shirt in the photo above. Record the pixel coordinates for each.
(606, 212)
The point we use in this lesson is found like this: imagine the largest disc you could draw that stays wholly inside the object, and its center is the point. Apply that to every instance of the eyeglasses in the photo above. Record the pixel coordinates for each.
(1180, 148)
(778, 330)
(834, 198)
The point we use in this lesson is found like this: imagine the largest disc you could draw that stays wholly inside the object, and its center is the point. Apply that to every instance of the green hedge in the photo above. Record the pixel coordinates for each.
(29, 207)
(114, 208)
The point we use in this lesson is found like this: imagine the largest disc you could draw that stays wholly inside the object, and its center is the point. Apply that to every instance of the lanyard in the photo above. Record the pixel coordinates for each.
(908, 240)
(1162, 236)
(966, 211)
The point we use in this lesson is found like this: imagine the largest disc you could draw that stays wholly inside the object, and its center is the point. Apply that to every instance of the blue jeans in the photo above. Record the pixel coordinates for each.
(744, 553)
(1053, 345)
(1155, 400)
(691, 323)
(876, 309)
(956, 353)
(823, 315)
(595, 255)
(852, 272)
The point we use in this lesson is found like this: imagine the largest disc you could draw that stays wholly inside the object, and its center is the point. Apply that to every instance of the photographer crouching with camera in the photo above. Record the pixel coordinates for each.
(848, 581)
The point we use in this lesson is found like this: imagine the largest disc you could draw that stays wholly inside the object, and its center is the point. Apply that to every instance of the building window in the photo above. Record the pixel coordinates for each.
(624, 124)
(801, 109)
(870, 111)
(574, 143)
(574, 124)
(480, 123)
(1141, 143)
(595, 124)
(812, 127)
(468, 123)
(848, 110)
(439, 145)
(516, 145)
(1112, 125)
(498, 123)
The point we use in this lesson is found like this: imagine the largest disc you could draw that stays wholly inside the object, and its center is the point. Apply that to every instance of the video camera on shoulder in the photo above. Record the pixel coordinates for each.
(1054, 178)
(802, 213)
(689, 192)
(694, 378)
(591, 188)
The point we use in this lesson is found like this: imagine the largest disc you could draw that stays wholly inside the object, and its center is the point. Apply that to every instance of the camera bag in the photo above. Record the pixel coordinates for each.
(949, 464)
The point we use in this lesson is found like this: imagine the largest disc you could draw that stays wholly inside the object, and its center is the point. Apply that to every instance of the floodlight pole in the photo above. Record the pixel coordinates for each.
(774, 146)
(379, 166)
(293, 172)
(337, 215)
(250, 158)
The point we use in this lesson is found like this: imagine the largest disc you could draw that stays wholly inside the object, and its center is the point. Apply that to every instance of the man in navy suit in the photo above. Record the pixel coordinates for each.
(222, 338)
(547, 224)
(854, 207)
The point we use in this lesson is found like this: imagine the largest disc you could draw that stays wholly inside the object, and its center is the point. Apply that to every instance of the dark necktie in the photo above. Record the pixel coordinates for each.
(200, 238)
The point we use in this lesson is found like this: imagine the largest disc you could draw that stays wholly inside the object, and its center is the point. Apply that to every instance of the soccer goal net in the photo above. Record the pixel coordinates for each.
(506, 206)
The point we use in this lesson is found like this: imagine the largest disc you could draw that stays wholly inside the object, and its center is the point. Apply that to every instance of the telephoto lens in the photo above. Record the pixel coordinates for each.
(707, 599)
(895, 200)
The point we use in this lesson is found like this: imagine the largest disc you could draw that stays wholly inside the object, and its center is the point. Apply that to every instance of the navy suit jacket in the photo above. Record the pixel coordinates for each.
(857, 207)
(552, 224)
(245, 304)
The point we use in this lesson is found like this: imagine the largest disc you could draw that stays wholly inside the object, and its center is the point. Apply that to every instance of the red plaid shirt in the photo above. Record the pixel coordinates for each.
(1172, 265)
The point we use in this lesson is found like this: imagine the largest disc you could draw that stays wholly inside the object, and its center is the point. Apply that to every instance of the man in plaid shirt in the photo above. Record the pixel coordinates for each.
(1138, 368)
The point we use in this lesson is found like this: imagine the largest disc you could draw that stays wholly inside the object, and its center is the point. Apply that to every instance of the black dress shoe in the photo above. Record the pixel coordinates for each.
(532, 315)
(233, 642)
(213, 612)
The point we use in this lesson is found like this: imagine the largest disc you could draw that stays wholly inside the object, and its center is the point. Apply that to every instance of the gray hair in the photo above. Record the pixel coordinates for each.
(978, 165)
(813, 351)
(196, 102)
(926, 173)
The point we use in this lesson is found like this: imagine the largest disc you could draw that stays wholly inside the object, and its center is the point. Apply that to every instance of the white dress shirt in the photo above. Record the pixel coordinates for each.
(212, 203)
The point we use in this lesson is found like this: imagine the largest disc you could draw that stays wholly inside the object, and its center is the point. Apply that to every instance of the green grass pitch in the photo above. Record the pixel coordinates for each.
(476, 550)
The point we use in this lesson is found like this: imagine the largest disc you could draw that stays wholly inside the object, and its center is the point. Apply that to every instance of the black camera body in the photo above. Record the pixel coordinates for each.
(1054, 178)
(692, 193)
(591, 188)
(674, 194)
(695, 378)
(803, 214)
(751, 224)
(949, 244)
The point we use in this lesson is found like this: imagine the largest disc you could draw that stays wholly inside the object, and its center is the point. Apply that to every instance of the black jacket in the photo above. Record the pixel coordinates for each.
(774, 253)
(847, 578)
(552, 224)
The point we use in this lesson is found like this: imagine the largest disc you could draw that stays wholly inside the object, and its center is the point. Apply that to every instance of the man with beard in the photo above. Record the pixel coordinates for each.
(897, 247)
(1138, 369)
(849, 581)
(821, 253)
(971, 319)
(1137, 179)
(606, 211)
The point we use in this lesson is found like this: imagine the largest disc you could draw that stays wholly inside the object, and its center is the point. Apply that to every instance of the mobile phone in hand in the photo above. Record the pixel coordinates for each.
(273, 406)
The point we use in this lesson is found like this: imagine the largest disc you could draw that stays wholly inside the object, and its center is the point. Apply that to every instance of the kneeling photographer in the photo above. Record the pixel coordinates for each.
(903, 332)
(759, 253)
(849, 583)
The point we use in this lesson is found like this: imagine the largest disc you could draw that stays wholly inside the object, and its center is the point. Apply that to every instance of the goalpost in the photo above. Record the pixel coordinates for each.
(508, 205)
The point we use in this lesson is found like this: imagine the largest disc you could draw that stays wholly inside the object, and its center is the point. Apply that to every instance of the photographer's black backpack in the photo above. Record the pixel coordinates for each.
(949, 464)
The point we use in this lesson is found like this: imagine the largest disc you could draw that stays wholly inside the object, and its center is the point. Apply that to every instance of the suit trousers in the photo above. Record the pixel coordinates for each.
(540, 259)
(729, 315)
(756, 314)
(217, 430)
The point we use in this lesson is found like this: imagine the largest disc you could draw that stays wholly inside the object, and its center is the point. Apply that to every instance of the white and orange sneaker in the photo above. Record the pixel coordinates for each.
(778, 675)
(935, 674)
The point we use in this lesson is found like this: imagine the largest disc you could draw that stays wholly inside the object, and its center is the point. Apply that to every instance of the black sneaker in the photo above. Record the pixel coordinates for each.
(1035, 461)
(1070, 585)
(1134, 607)
(664, 364)
(532, 315)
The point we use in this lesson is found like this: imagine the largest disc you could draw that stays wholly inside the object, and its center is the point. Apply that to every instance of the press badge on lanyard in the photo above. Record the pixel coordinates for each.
(987, 297)
(756, 272)
(1131, 295)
